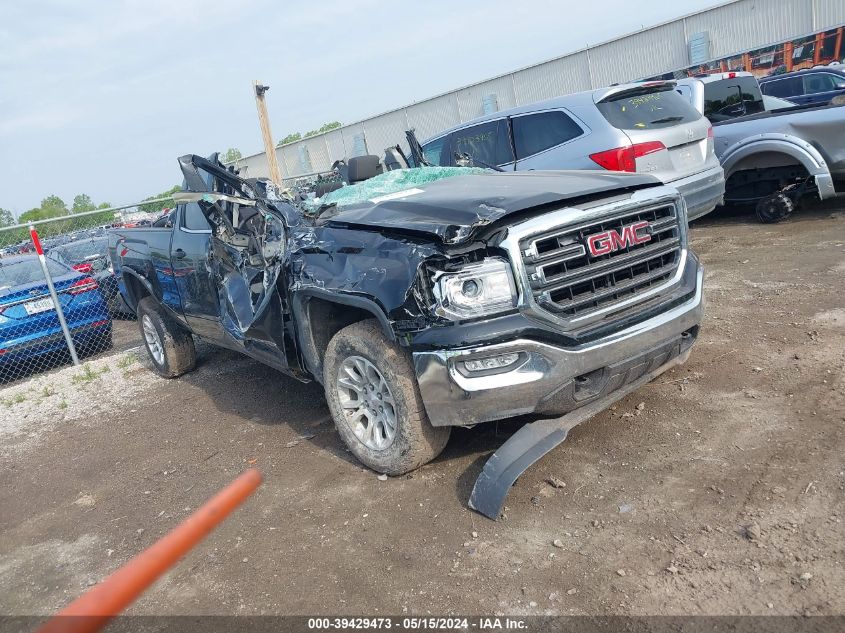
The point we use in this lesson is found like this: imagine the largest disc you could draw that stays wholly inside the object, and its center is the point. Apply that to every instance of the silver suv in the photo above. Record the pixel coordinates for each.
(645, 128)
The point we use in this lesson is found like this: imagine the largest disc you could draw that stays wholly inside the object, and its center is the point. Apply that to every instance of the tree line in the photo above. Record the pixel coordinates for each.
(55, 207)
(52, 207)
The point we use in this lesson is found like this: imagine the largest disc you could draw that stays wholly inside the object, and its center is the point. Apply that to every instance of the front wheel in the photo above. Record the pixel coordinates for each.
(774, 208)
(375, 402)
(170, 347)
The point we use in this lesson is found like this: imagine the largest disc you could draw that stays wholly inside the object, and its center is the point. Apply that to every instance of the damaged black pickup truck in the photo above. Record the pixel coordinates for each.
(467, 299)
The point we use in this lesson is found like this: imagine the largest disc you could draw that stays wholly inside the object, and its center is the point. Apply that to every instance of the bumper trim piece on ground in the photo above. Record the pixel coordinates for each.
(534, 440)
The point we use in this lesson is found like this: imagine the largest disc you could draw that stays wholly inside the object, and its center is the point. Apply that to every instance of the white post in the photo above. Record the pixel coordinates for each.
(33, 234)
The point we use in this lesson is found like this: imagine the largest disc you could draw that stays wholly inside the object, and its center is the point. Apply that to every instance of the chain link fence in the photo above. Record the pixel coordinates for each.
(59, 298)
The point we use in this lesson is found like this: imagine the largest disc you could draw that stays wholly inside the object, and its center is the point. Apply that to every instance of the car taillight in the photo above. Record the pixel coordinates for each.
(619, 159)
(710, 132)
(83, 285)
(625, 158)
(84, 267)
(641, 149)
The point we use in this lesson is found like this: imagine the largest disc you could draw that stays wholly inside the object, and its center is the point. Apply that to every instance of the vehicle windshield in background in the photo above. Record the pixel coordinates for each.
(77, 252)
(725, 100)
(21, 272)
(648, 110)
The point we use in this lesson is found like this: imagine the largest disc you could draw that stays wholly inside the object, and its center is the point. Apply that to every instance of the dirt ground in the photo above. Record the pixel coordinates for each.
(718, 489)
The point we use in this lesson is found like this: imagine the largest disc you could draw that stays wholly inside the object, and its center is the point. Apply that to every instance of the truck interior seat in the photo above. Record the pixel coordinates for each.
(363, 167)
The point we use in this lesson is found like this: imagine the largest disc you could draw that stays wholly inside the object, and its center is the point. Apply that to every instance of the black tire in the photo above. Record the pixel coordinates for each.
(178, 354)
(416, 441)
(774, 208)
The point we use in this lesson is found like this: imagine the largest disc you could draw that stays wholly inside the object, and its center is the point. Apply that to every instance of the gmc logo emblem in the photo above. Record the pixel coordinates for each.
(609, 241)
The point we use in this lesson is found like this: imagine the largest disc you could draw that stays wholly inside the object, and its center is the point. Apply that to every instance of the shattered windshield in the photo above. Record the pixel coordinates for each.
(392, 185)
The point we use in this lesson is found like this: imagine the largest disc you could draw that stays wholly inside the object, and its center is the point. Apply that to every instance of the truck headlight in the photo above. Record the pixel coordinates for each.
(476, 290)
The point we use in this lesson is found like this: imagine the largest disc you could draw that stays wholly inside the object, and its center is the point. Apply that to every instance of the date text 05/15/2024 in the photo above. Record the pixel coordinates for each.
(419, 623)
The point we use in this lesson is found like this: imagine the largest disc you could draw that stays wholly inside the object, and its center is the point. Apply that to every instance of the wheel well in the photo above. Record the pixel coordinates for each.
(760, 175)
(135, 290)
(325, 319)
(764, 160)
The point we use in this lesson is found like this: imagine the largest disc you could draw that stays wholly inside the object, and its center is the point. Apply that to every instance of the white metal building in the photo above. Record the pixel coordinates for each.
(728, 29)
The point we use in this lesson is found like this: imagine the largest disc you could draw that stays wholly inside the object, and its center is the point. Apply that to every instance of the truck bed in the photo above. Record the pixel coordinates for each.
(777, 113)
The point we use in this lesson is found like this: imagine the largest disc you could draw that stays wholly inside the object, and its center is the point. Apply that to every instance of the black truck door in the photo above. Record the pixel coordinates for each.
(239, 274)
(189, 260)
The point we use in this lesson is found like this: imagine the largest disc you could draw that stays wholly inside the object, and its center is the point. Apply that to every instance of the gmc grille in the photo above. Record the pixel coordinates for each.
(567, 280)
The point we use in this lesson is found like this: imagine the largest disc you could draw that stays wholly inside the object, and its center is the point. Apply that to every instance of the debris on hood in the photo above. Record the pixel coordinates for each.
(454, 207)
(391, 185)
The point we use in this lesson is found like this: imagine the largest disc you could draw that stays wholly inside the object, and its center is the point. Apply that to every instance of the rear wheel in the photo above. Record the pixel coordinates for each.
(375, 402)
(170, 347)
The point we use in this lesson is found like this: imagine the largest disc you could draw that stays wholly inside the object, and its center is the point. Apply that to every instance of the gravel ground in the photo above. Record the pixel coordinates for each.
(717, 489)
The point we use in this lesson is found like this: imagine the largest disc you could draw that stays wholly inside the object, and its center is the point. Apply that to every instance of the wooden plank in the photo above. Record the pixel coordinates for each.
(266, 134)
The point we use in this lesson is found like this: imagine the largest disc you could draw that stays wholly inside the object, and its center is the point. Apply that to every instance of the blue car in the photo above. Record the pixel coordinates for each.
(814, 86)
(30, 334)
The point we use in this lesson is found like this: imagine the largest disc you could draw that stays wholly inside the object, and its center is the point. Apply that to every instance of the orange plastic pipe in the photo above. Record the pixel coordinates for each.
(93, 609)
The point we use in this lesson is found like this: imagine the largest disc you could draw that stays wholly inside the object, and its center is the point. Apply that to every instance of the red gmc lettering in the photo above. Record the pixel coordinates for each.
(600, 243)
(611, 240)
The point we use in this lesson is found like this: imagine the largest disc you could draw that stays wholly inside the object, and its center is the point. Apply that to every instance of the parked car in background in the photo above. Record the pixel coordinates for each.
(775, 103)
(642, 128)
(813, 86)
(29, 324)
(772, 159)
(90, 256)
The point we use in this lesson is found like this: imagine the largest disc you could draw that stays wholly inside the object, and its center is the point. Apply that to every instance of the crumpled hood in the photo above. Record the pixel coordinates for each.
(453, 208)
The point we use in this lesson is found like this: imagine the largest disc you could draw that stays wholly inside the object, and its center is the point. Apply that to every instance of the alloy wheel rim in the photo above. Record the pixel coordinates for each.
(152, 339)
(367, 402)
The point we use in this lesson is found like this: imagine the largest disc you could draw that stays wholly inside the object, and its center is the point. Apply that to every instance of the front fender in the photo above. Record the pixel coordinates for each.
(306, 339)
(366, 303)
(798, 149)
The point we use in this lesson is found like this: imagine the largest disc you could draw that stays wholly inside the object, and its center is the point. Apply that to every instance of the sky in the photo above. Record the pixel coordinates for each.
(102, 96)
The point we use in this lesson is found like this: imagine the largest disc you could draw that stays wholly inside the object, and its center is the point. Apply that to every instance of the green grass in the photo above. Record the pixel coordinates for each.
(124, 362)
(17, 399)
(88, 374)
(48, 391)
(63, 404)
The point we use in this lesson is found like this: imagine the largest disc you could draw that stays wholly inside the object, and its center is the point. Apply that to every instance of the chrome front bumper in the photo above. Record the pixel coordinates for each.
(551, 380)
(702, 191)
